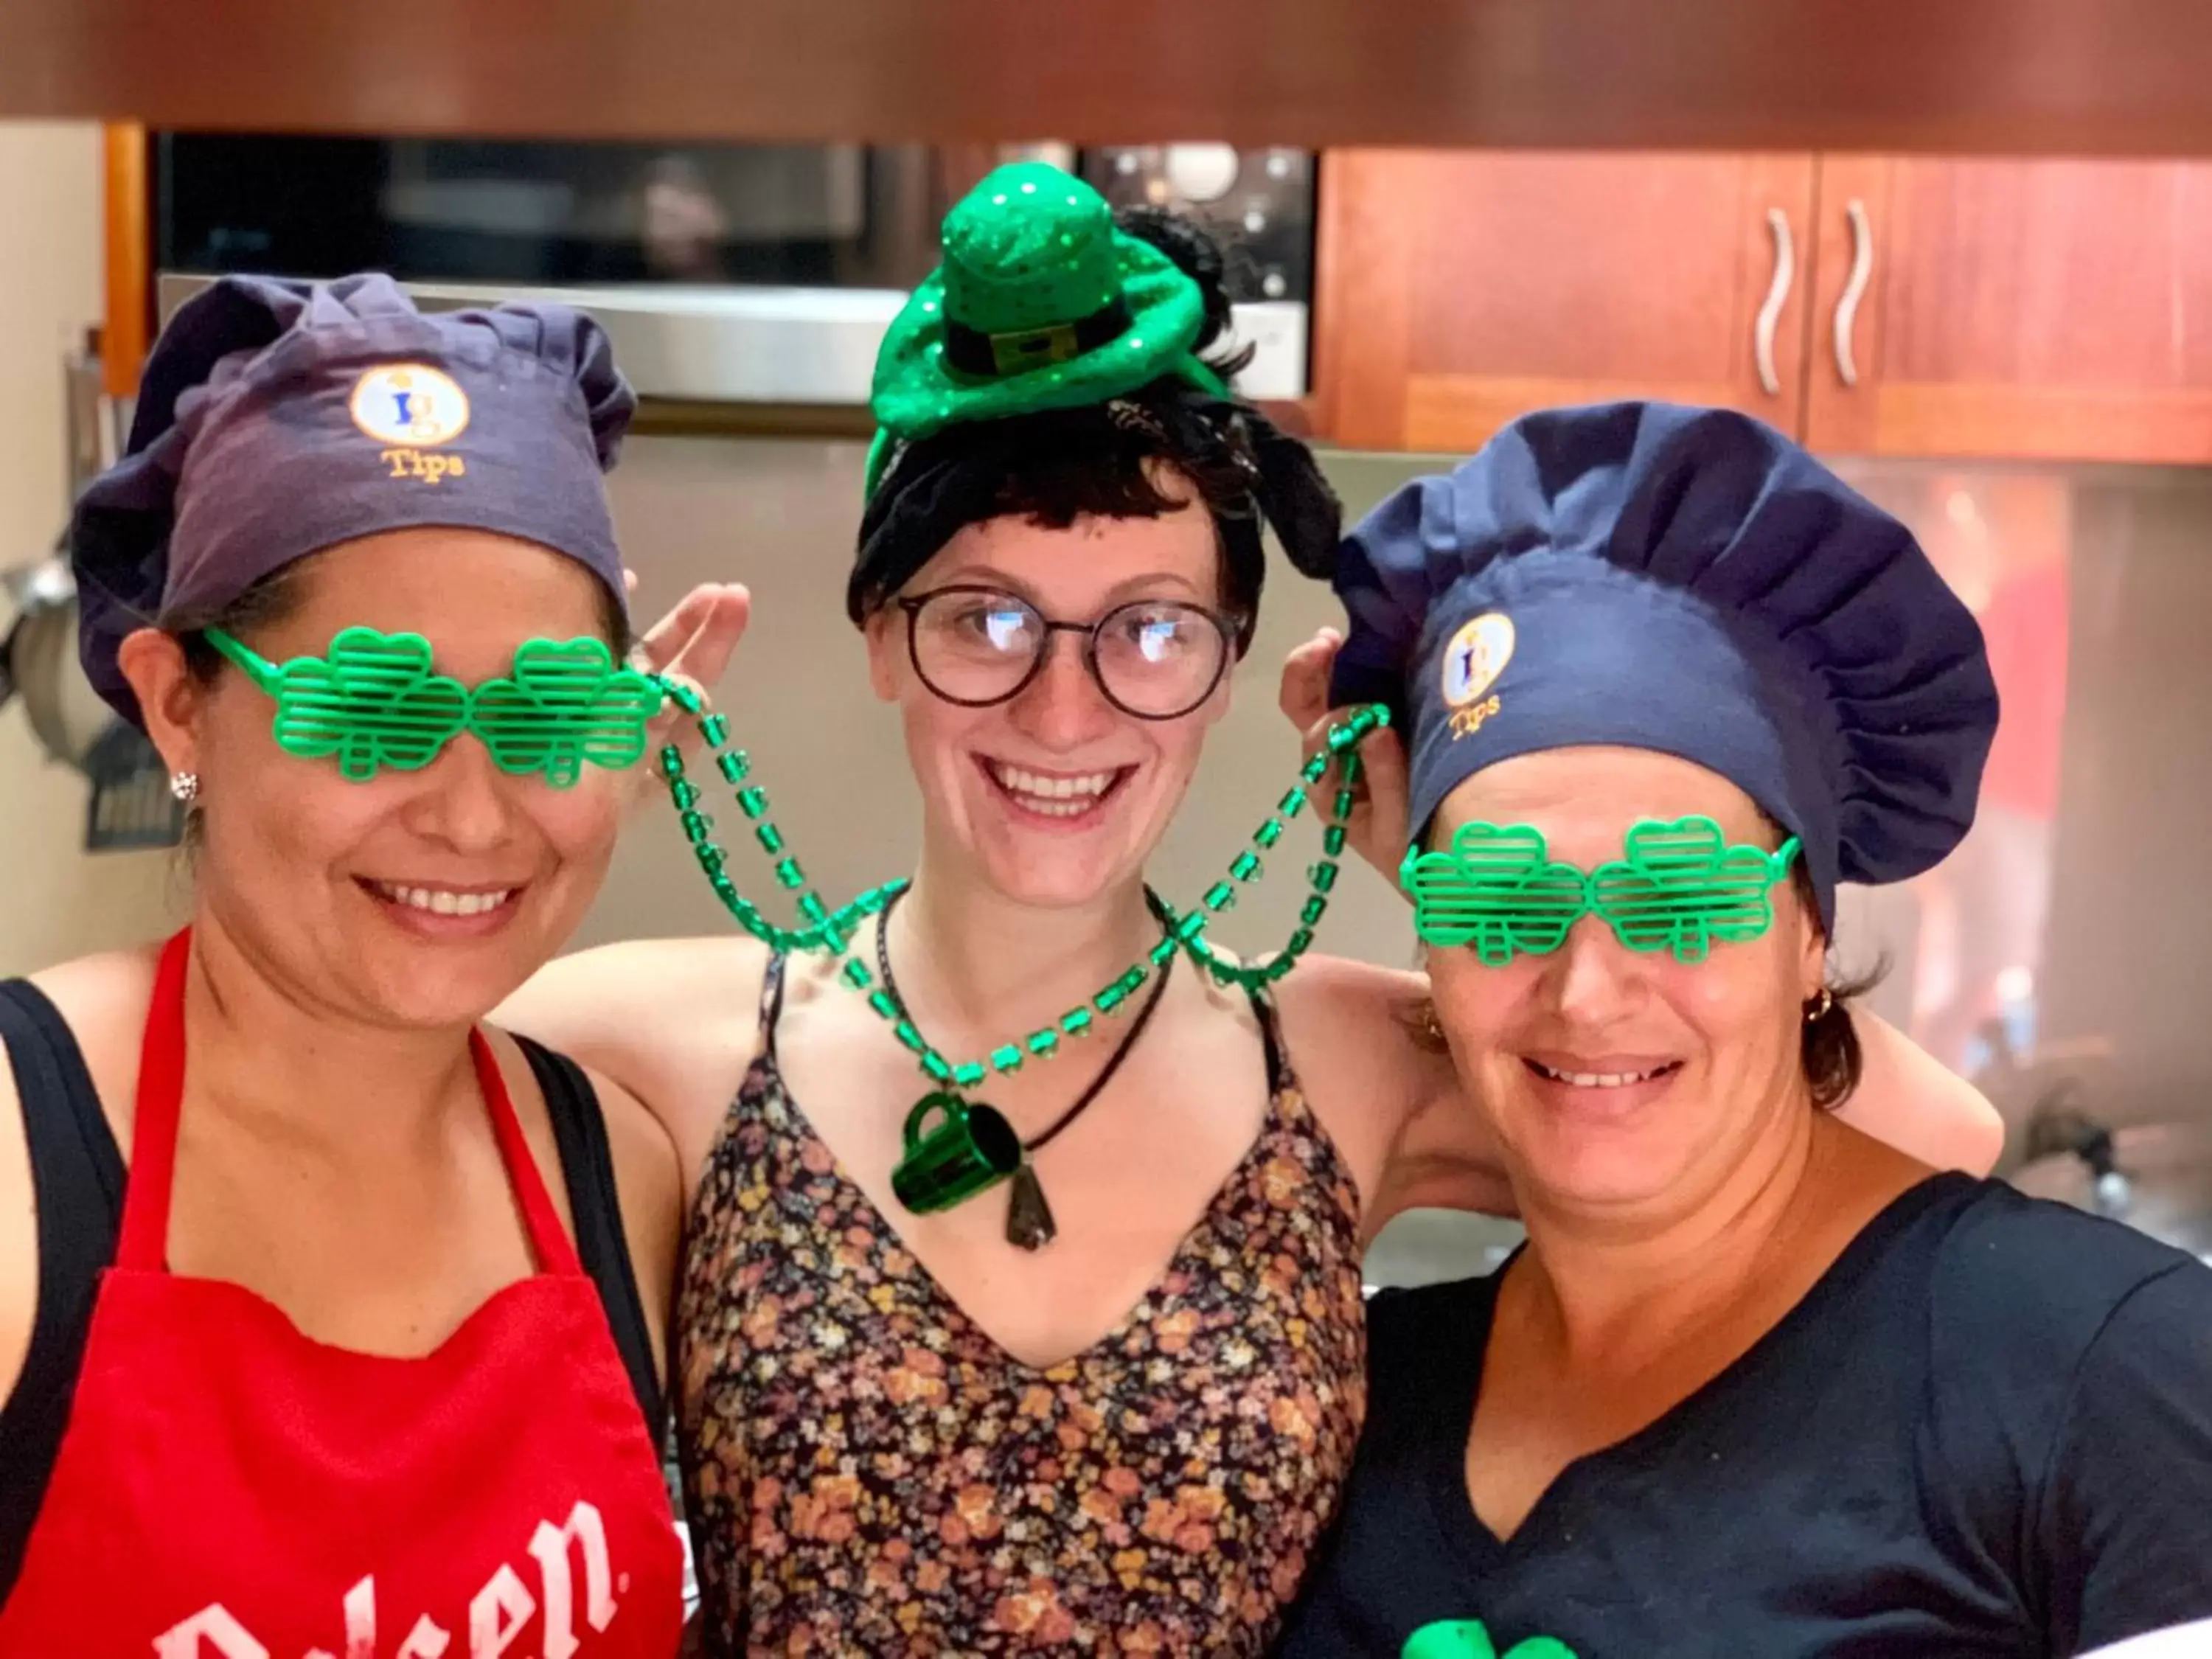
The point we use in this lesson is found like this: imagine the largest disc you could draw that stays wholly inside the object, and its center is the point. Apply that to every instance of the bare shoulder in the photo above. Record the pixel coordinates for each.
(1383, 1084)
(641, 1146)
(103, 1000)
(1353, 1031)
(649, 1182)
(647, 1169)
(673, 1023)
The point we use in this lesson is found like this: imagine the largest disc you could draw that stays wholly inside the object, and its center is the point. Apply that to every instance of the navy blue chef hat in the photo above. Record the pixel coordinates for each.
(1687, 580)
(277, 418)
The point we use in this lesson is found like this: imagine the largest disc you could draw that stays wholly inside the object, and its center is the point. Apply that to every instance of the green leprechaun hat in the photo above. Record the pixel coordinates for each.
(1041, 303)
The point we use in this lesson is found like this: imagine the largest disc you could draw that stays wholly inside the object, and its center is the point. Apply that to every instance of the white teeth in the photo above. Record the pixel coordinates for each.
(443, 902)
(1057, 798)
(1601, 1079)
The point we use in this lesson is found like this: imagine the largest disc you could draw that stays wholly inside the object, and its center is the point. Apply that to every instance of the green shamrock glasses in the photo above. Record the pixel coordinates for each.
(1680, 888)
(373, 702)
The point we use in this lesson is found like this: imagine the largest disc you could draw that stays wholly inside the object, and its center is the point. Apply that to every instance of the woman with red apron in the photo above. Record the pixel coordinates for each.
(189, 1472)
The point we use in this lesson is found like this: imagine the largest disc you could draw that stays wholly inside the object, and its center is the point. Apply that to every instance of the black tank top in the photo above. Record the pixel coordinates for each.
(77, 1174)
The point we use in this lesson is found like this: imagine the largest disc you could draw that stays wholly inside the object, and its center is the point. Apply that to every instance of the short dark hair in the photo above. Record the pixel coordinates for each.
(1828, 1049)
(1060, 465)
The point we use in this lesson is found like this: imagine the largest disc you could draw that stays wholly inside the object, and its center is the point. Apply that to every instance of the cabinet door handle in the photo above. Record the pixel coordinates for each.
(1778, 295)
(1847, 308)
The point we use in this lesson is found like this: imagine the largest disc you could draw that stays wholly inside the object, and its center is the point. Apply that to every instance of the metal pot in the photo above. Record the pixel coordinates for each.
(128, 804)
(66, 715)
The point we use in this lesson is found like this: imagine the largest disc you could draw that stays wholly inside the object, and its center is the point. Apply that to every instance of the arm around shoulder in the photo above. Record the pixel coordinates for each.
(1910, 1099)
(674, 1023)
(1378, 1076)
(649, 1180)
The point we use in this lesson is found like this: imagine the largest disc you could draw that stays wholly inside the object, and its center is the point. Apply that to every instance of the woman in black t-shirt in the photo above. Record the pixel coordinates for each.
(1756, 1385)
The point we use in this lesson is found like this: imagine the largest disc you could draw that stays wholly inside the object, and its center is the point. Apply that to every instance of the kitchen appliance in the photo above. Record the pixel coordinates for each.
(128, 804)
(726, 274)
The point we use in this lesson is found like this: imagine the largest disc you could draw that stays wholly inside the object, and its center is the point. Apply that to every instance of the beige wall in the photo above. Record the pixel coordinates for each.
(55, 900)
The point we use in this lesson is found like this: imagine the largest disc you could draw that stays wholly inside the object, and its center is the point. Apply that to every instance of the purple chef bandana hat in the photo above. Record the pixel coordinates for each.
(277, 418)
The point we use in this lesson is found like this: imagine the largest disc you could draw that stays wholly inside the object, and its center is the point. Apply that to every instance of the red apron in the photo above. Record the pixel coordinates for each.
(229, 1489)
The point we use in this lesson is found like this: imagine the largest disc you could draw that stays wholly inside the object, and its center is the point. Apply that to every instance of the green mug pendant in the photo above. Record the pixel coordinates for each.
(971, 1150)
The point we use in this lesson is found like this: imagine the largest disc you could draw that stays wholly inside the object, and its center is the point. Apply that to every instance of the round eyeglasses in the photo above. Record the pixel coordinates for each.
(1154, 659)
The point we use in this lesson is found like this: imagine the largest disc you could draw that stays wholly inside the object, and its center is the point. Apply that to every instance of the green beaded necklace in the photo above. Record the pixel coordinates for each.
(976, 1155)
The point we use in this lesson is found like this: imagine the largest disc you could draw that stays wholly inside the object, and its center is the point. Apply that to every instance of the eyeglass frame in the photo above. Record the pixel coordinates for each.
(1226, 626)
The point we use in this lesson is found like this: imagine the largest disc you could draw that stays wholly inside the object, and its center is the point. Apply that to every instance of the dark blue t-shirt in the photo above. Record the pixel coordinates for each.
(1987, 1430)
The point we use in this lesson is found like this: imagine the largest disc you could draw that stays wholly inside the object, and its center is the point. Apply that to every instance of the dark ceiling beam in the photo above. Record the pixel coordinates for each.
(2003, 76)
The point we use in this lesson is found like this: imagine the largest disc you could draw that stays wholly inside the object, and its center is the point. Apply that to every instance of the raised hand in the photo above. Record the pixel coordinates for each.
(692, 645)
(1376, 830)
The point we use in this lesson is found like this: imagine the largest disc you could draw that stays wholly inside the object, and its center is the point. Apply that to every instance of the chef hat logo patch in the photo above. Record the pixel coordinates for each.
(1476, 658)
(411, 404)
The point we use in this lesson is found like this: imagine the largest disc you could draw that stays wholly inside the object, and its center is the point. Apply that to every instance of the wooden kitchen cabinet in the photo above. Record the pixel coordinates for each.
(1457, 289)
(2028, 309)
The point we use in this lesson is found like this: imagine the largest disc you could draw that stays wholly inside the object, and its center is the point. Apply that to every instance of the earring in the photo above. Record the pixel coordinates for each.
(1820, 1006)
(184, 787)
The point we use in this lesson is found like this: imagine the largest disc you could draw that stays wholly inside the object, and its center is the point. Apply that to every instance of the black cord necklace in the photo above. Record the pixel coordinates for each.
(1030, 1225)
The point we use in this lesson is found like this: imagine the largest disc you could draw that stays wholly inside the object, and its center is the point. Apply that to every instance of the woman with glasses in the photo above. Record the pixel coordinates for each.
(1061, 1345)
(330, 1318)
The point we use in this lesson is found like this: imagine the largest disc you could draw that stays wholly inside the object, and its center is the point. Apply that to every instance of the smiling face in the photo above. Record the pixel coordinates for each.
(1621, 1082)
(412, 898)
(1055, 795)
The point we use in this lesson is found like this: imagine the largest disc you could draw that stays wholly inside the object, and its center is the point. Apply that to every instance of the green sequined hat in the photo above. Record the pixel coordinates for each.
(1040, 303)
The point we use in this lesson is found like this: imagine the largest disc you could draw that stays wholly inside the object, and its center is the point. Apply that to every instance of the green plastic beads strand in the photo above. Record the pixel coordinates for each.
(1186, 929)
(1344, 745)
(752, 801)
(836, 932)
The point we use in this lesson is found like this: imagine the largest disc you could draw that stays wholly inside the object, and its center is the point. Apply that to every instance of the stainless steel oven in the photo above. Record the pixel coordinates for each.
(759, 274)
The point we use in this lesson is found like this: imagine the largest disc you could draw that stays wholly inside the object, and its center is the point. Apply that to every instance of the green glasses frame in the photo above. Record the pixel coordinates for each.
(1680, 888)
(373, 702)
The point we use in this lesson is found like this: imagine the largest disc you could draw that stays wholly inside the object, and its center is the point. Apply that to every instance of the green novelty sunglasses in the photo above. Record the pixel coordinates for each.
(1679, 887)
(373, 702)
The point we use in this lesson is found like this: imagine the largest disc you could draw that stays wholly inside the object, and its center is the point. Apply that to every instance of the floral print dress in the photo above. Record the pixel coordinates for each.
(869, 1474)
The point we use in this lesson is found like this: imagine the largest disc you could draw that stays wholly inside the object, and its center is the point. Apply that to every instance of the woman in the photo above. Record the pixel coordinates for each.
(363, 1356)
(1758, 1383)
(1113, 1407)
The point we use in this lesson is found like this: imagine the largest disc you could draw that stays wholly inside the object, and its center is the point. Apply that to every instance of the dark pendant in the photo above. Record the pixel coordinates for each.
(1028, 1217)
